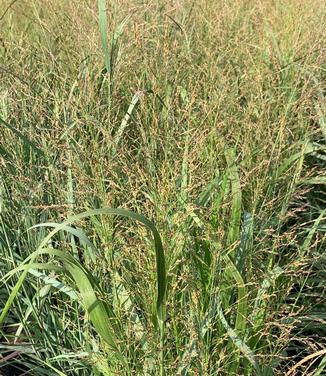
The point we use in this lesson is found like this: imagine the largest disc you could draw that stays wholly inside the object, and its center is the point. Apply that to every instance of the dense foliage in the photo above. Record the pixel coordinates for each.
(202, 124)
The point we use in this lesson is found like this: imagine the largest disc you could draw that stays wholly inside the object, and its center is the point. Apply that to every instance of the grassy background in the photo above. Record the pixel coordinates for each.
(208, 117)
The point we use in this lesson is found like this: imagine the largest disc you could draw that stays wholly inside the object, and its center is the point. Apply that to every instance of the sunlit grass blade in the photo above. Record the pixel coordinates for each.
(119, 133)
(232, 273)
(260, 308)
(306, 244)
(55, 283)
(90, 250)
(238, 342)
(306, 149)
(246, 238)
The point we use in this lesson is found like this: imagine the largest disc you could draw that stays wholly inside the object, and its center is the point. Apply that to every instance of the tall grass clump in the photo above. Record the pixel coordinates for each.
(162, 188)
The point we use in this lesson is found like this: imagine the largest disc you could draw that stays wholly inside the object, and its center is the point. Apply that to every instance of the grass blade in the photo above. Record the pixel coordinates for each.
(233, 176)
(20, 135)
(103, 24)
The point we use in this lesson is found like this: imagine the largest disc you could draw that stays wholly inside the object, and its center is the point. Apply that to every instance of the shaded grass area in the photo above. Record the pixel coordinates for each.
(206, 117)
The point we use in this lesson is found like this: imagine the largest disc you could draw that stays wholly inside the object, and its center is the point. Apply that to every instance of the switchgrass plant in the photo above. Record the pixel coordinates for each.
(162, 188)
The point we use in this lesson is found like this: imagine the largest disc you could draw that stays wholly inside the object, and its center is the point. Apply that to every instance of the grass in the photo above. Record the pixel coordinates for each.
(162, 188)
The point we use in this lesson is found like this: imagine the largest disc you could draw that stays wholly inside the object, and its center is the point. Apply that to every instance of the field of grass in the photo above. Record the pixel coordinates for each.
(162, 187)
